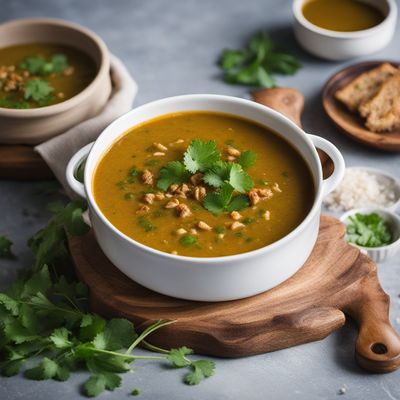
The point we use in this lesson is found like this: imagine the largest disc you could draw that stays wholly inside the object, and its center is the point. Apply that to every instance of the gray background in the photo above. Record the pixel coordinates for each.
(171, 48)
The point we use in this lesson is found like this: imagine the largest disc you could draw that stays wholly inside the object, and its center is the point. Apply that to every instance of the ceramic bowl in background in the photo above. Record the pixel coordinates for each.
(379, 254)
(212, 278)
(35, 125)
(334, 45)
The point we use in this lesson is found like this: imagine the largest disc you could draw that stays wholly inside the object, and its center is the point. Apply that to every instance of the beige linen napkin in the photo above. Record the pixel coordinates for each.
(58, 151)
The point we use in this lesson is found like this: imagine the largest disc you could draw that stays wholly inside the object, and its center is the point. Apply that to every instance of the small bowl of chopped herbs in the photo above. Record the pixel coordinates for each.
(376, 231)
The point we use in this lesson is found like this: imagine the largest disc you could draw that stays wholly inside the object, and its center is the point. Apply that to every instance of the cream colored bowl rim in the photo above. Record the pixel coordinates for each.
(298, 14)
(78, 98)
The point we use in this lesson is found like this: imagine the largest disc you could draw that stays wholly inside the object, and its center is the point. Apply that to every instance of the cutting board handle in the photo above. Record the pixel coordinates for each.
(378, 344)
(290, 103)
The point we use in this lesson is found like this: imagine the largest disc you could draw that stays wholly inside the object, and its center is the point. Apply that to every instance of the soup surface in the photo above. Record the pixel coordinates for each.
(342, 15)
(203, 184)
(37, 75)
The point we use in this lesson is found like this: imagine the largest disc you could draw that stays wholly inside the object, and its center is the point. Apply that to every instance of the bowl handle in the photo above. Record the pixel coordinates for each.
(333, 181)
(71, 172)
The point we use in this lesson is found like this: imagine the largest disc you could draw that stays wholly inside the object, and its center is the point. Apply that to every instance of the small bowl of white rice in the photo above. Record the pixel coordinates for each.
(364, 187)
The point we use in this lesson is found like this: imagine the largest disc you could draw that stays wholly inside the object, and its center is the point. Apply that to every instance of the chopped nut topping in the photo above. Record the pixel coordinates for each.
(276, 187)
(235, 215)
(149, 198)
(172, 203)
(183, 210)
(199, 193)
(236, 225)
(196, 179)
(267, 215)
(147, 177)
(220, 235)
(203, 226)
(254, 197)
(158, 154)
(174, 252)
(159, 196)
(160, 146)
(69, 71)
(60, 95)
(143, 209)
(265, 193)
(193, 231)
(233, 152)
(181, 231)
(231, 158)
(168, 195)
(179, 141)
(173, 188)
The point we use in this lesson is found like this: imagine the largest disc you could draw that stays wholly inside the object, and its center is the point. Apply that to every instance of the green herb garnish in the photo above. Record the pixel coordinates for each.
(37, 65)
(257, 62)
(188, 240)
(247, 159)
(222, 200)
(201, 155)
(368, 230)
(173, 172)
(135, 392)
(38, 90)
(5, 248)
(146, 224)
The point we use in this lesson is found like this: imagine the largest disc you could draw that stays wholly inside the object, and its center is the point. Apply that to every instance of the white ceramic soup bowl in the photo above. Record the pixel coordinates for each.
(334, 45)
(217, 278)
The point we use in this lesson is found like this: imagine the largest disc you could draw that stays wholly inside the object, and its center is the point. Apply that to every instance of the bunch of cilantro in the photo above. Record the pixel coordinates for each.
(225, 177)
(44, 317)
(255, 64)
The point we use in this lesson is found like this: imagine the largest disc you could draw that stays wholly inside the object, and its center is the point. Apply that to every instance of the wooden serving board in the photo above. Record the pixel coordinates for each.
(21, 162)
(336, 279)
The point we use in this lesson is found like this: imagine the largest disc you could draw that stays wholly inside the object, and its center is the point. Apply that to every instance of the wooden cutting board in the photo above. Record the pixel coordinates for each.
(336, 279)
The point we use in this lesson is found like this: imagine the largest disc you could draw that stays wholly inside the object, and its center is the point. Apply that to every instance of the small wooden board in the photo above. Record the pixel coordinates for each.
(336, 279)
(21, 162)
(350, 123)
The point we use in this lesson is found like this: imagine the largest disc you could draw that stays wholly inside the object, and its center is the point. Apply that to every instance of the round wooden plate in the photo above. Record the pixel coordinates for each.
(351, 123)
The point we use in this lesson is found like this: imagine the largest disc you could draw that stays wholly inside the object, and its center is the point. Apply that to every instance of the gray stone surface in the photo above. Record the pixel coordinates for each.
(171, 48)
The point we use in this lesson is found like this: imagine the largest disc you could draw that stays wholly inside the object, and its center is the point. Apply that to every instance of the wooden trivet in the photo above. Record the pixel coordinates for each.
(336, 279)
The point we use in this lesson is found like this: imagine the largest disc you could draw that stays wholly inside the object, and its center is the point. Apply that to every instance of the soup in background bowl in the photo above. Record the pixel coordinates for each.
(125, 171)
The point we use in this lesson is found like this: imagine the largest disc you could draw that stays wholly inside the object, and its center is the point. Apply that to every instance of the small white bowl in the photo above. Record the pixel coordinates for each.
(379, 254)
(334, 45)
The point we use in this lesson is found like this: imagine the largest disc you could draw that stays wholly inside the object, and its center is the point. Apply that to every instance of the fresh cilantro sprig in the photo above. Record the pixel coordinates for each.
(37, 65)
(47, 316)
(173, 172)
(222, 200)
(255, 64)
(201, 155)
(38, 90)
(5, 248)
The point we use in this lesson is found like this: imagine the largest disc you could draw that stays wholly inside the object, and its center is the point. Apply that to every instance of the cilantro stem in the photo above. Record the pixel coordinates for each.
(115, 353)
(157, 325)
(51, 308)
(154, 348)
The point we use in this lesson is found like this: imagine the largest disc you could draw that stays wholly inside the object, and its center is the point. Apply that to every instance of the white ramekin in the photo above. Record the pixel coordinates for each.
(333, 45)
(217, 278)
(378, 254)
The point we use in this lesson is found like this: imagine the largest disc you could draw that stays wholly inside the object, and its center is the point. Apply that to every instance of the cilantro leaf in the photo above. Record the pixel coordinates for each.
(188, 240)
(37, 65)
(59, 63)
(201, 369)
(238, 203)
(213, 202)
(177, 357)
(38, 90)
(95, 385)
(5, 248)
(239, 179)
(33, 65)
(47, 369)
(59, 337)
(217, 174)
(201, 155)
(9, 303)
(118, 333)
(247, 159)
(173, 172)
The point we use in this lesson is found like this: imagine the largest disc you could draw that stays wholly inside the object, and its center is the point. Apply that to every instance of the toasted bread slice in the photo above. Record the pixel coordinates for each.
(365, 86)
(383, 110)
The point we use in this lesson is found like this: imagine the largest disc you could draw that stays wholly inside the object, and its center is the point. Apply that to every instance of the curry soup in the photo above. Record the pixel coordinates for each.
(203, 184)
(37, 75)
(342, 15)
